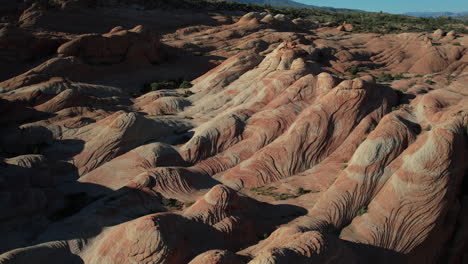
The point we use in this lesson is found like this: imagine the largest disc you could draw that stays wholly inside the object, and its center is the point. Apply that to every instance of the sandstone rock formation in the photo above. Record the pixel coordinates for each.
(345, 27)
(114, 47)
(279, 153)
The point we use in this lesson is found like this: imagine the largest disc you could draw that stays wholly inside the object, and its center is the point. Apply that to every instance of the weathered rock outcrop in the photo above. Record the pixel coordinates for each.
(117, 46)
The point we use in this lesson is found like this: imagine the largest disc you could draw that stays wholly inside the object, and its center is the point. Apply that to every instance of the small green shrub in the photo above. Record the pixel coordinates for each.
(430, 82)
(353, 70)
(387, 77)
(428, 128)
(188, 204)
(362, 211)
(345, 165)
(165, 85)
(171, 203)
(283, 196)
(384, 77)
(270, 191)
(457, 44)
(355, 76)
(187, 93)
(399, 76)
(156, 86)
(263, 237)
(189, 46)
(412, 84)
(302, 191)
(185, 84)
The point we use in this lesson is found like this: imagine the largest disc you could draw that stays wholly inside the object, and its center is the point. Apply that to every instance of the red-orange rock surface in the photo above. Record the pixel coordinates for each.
(275, 155)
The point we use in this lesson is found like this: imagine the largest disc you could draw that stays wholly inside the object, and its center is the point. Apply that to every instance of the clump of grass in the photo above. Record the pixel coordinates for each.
(457, 44)
(188, 45)
(394, 108)
(264, 236)
(155, 86)
(187, 93)
(270, 191)
(412, 84)
(428, 128)
(284, 196)
(387, 77)
(449, 79)
(372, 127)
(355, 76)
(384, 77)
(430, 82)
(355, 70)
(345, 164)
(302, 191)
(400, 76)
(185, 84)
(265, 191)
(171, 203)
(188, 204)
(362, 211)
(165, 85)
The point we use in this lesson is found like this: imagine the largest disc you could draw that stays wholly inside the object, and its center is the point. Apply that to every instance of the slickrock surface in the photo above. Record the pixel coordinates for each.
(276, 154)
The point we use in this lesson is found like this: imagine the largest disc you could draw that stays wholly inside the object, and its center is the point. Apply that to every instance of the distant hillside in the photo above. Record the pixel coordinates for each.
(288, 3)
(363, 22)
(457, 15)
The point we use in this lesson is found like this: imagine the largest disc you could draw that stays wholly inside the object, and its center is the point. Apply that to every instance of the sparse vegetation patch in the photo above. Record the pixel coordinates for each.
(363, 22)
(430, 82)
(362, 211)
(165, 85)
(270, 191)
(171, 203)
